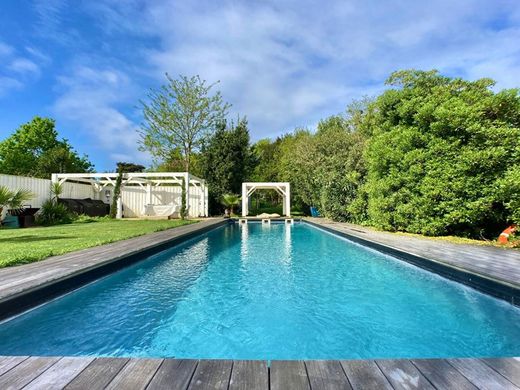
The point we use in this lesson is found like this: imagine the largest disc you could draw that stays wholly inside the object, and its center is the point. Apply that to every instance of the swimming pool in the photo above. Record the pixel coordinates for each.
(269, 292)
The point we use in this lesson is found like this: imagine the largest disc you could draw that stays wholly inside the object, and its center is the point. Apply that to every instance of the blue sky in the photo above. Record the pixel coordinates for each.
(281, 63)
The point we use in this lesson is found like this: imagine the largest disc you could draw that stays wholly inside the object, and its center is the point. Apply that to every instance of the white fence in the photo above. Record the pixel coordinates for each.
(41, 188)
(133, 198)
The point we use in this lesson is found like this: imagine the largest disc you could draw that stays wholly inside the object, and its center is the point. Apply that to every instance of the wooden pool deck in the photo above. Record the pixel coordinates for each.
(133, 374)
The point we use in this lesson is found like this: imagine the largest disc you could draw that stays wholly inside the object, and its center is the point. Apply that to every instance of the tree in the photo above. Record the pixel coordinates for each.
(35, 150)
(440, 151)
(179, 117)
(230, 201)
(122, 168)
(226, 161)
(13, 199)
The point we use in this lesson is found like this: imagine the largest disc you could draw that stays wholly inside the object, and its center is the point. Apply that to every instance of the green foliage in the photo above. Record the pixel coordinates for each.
(122, 168)
(13, 200)
(325, 169)
(184, 206)
(440, 149)
(56, 190)
(53, 213)
(34, 150)
(179, 117)
(226, 162)
(230, 201)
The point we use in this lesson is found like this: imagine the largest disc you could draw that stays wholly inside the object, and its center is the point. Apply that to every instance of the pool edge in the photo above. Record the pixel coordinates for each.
(29, 298)
(483, 283)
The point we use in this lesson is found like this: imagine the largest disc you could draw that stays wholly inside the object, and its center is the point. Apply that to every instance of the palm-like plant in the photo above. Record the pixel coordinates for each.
(56, 190)
(13, 199)
(230, 201)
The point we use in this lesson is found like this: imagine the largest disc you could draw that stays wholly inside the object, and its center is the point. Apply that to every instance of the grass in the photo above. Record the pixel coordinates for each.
(21, 246)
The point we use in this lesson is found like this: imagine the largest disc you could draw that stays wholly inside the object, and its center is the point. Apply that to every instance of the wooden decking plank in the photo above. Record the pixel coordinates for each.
(249, 375)
(8, 362)
(402, 374)
(58, 375)
(212, 374)
(25, 372)
(365, 374)
(442, 375)
(173, 374)
(98, 374)
(326, 375)
(289, 374)
(508, 367)
(136, 374)
(481, 375)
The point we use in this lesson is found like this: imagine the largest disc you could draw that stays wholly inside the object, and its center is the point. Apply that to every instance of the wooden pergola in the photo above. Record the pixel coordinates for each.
(145, 180)
(283, 188)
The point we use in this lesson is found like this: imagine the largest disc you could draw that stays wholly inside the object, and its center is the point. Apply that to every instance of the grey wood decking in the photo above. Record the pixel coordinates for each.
(19, 279)
(497, 263)
(120, 373)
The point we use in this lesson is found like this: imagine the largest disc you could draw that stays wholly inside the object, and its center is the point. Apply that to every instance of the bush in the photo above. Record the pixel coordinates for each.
(52, 213)
(82, 218)
(438, 155)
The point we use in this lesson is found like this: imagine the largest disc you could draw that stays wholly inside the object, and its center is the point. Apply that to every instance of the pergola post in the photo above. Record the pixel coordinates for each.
(245, 200)
(206, 205)
(187, 184)
(149, 193)
(287, 200)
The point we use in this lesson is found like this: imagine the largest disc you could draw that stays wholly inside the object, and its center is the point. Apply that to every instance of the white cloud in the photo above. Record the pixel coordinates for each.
(24, 66)
(7, 84)
(90, 98)
(282, 63)
(5, 50)
(289, 63)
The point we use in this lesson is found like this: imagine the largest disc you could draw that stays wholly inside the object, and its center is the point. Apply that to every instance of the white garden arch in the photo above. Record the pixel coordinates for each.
(282, 188)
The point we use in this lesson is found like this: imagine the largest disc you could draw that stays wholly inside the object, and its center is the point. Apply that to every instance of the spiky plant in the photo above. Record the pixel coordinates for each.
(230, 201)
(13, 199)
(56, 190)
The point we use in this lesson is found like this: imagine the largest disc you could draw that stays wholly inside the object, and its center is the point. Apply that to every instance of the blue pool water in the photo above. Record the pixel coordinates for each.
(269, 292)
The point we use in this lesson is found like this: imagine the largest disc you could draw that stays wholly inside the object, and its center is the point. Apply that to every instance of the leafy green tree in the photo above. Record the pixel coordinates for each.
(35, 150)
(179, 116)
(226, 161)
(122, 168)
(439, 152)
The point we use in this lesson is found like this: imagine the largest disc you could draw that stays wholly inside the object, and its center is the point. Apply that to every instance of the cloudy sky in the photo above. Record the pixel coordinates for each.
(281, 63)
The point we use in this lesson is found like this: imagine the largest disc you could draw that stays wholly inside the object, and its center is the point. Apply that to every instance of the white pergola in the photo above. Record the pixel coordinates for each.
(146, 180)
(282, 188)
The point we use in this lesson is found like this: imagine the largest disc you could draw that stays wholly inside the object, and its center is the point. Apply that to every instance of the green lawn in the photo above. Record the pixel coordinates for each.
(20, 246)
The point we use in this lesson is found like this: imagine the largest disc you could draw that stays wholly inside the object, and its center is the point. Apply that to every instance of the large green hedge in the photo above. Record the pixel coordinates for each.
(443, 157)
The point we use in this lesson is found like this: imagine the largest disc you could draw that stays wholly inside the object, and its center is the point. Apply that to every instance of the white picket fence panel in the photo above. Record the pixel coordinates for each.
(134, 198)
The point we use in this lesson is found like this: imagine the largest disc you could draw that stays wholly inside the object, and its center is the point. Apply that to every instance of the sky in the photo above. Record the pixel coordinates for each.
(281, 63)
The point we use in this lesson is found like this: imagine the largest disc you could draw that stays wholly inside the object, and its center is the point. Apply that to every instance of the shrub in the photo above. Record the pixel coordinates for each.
(53, 213)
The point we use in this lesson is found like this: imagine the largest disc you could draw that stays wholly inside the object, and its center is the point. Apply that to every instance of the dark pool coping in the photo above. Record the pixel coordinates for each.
(112, 260)
(483, 283)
